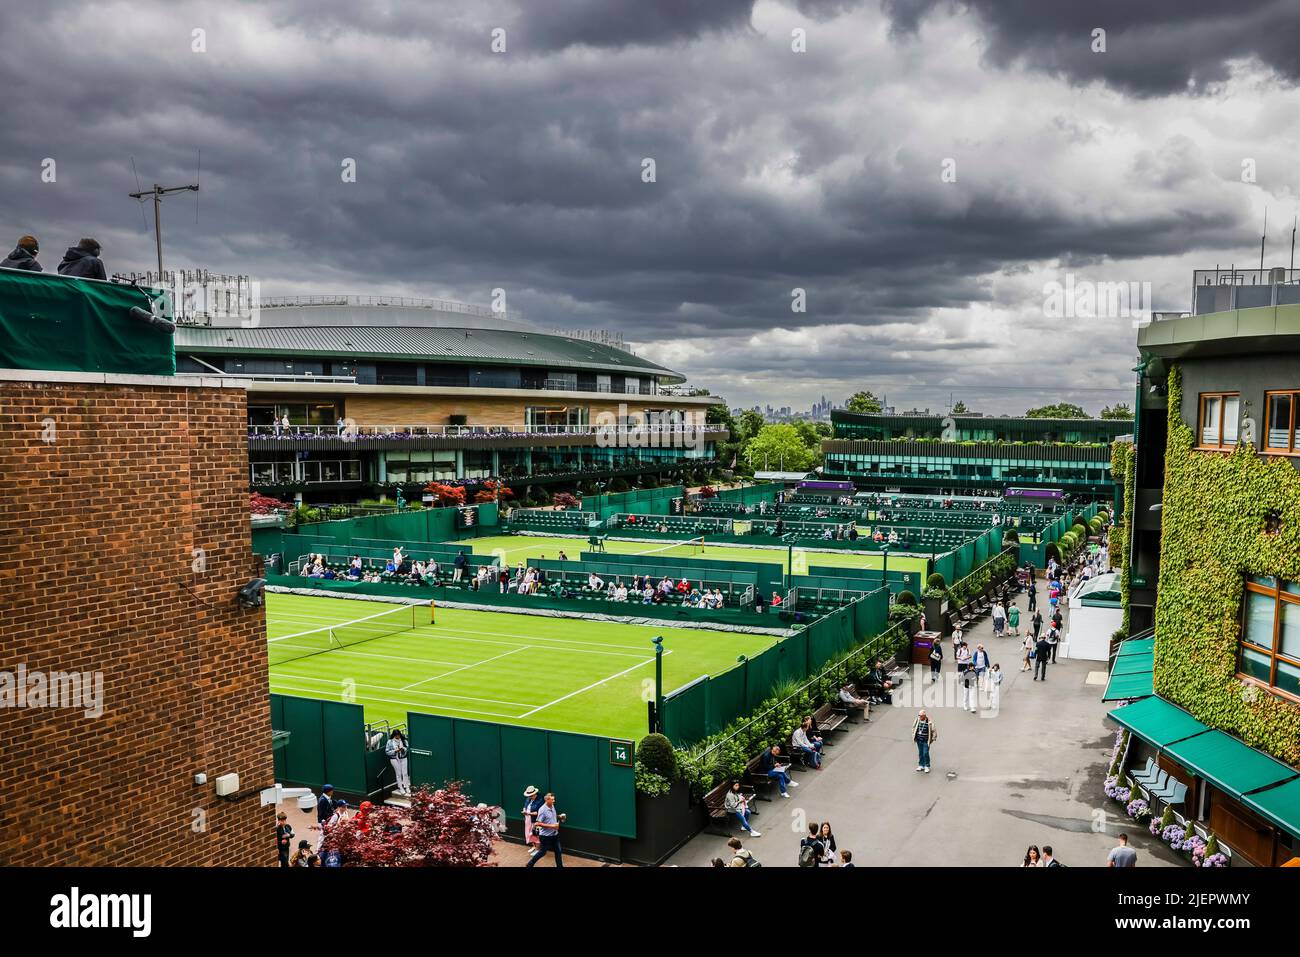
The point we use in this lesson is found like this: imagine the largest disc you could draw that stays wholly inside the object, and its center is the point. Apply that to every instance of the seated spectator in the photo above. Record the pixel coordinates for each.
(648, 596)
(878, 536)
(807, 745)
(849, 696)
(893, 536)
(770, 765)
(878, 683)
(776, 599)
(328, 575)
(620, 592)
(737, 804)
(683, 587)
(595, 582)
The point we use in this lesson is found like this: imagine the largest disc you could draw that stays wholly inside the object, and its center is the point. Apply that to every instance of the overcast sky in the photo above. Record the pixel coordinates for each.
(775, 169)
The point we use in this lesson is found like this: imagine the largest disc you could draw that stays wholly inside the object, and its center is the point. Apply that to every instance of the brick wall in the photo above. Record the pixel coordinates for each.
(108, 489)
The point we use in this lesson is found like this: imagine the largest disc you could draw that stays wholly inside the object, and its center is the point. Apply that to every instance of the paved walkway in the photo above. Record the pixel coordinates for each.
(1031, 773)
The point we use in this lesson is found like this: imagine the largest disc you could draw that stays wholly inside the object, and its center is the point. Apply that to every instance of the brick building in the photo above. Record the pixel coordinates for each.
(125, 523)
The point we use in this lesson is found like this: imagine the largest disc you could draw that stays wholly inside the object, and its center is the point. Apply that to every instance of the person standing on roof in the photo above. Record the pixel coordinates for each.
(83, 260)
(24, 255)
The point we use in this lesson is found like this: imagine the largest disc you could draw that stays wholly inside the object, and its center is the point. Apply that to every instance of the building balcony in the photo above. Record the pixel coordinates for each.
(397, 436)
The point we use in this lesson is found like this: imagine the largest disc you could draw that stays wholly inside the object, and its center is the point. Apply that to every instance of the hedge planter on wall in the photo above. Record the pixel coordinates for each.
(1224, 516)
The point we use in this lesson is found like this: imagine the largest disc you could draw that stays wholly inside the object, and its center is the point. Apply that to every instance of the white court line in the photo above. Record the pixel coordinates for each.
(522, 639)
(464, 667)
(596, 684)
(427, 694)
(365, 654)
(440, 630)
(410, 704)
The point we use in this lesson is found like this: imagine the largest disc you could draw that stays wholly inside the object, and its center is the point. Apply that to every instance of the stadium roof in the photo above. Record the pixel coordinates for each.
(419, 345)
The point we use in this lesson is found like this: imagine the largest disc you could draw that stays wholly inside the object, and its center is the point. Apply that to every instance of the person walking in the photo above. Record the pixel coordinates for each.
(1036, 624)
(936, 659)
(548, 832)
(1032, 857)
(979, 663)
(1033, 594)
(1122, 855)
(995, 688)
(924, 733)
(969, 690)
(24, 255)
(1042, 652)
(533, 802)
(397, 749)
(1013, 620)
(1054, 639)
(1027, 647)
(999, 619)
(1048, 859)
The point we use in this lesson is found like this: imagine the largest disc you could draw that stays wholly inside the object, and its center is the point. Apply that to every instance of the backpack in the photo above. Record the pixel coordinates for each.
(807, 854)
(748, 858)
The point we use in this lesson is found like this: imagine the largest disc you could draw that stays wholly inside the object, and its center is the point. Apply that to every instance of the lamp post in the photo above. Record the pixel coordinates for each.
(658, 724)
(884, 565)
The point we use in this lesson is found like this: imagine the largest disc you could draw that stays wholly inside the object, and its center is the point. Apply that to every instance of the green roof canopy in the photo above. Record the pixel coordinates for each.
(1134, 664)
(1137, 646)
(1227, 763)
(1157, 721)
(1281, 805)
(1119, 687)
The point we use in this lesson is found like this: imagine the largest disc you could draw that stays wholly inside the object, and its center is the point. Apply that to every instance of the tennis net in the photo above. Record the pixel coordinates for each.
(686, 546)
(343, 635)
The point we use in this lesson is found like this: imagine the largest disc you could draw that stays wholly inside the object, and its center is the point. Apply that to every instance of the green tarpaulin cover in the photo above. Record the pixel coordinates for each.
(60, 323)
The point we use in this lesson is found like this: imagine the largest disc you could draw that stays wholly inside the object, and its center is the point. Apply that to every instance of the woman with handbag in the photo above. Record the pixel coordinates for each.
(533, 802)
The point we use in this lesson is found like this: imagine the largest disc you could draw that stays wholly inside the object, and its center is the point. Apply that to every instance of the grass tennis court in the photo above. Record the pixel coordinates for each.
(524, 548)
(565, 674)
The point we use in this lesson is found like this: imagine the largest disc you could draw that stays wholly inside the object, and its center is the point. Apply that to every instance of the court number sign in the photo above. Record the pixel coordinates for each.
(620, 753)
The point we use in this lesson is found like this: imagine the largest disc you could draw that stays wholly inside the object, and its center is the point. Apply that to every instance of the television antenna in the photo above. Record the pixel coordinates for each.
(158, 192)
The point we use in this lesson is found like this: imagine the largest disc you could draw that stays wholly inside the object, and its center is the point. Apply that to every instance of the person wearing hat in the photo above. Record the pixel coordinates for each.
(83, 260)
(283, 837)
(24, 255)
(533, 802)
(302, 856)
(325, 804)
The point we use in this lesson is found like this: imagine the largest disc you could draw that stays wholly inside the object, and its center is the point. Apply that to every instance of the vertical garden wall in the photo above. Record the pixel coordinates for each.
(1225, 516)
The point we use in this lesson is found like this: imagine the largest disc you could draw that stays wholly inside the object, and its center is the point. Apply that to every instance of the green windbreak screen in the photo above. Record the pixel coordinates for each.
(48, 321)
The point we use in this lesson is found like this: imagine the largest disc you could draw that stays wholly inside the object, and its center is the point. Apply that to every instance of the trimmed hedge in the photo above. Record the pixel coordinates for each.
(1217, 529)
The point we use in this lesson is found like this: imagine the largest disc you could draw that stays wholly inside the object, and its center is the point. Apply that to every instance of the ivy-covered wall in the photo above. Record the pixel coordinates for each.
(1123, 466)
(1214, 517)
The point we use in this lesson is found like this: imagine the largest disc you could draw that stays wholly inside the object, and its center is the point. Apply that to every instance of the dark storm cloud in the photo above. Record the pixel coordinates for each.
(523, 171)
(1153, 47)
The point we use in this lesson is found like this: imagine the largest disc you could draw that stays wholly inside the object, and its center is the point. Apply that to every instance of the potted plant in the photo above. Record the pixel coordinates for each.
(935, 598)
(665, 817)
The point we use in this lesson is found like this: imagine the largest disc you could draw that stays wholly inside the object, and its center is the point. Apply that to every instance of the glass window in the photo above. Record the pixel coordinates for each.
(1283, 431)
(1218, 419)
(1270, 634)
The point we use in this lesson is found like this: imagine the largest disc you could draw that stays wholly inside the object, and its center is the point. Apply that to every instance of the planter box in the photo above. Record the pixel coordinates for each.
(663, 824)
(934, 610)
